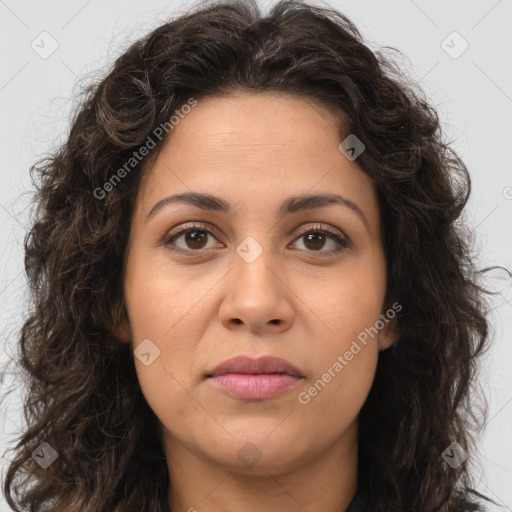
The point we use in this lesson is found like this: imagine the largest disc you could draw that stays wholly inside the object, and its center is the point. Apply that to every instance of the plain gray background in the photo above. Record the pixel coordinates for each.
(471, 89)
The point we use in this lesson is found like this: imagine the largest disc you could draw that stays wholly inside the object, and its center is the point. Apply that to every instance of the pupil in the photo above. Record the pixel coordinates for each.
(318, 236)
(192, 238)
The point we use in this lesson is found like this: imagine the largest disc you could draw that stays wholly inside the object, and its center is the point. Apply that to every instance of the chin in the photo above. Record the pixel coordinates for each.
(258, 453)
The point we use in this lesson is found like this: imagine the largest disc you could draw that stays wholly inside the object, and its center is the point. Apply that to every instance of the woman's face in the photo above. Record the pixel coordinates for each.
(269, 266)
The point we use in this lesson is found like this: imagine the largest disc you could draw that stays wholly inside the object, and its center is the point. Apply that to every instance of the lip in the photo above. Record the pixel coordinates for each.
(260, 365)
(247, 378)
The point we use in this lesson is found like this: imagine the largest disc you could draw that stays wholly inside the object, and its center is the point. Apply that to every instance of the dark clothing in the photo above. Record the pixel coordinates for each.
(356, 505)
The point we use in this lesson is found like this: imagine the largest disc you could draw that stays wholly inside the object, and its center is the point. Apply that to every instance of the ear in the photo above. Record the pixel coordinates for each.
(388, 334)
(122, 329)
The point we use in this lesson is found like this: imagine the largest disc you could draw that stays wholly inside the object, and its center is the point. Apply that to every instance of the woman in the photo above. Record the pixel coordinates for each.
(251, 290)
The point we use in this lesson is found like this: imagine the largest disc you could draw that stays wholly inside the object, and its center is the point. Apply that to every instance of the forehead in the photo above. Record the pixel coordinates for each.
(258, 148)
(245, 121)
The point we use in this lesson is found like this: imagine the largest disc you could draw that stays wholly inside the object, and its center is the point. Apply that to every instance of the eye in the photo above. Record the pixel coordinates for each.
(315, 238)
(195, 238)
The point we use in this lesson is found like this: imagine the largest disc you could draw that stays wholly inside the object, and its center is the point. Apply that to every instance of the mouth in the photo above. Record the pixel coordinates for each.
(251, 379)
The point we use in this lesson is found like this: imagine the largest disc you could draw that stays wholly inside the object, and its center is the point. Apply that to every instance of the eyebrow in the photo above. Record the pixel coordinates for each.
(290, 205)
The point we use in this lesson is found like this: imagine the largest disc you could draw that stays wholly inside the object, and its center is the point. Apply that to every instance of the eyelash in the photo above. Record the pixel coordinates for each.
(342, 243)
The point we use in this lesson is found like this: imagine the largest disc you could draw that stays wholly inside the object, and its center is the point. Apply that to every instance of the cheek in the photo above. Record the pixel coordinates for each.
(343, 308)
(158, 297)
(160, 306)
(346, 352)
(345, 367)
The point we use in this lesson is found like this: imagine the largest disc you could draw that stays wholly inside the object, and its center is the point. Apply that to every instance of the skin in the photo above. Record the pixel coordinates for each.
(298, 300)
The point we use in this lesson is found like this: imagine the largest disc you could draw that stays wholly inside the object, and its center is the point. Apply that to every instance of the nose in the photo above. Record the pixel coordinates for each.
(257, 297)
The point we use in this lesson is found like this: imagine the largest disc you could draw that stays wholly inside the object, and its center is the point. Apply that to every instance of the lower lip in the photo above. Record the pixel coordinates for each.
(260, 386)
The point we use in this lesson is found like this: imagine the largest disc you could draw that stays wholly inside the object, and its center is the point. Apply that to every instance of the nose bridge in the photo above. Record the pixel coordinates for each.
(253, 264)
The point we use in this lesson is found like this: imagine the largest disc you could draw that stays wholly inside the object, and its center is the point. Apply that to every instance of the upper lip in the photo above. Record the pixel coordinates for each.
(264, 364)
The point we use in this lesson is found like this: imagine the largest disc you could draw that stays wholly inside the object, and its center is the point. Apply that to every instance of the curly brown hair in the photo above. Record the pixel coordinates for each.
(84, 399)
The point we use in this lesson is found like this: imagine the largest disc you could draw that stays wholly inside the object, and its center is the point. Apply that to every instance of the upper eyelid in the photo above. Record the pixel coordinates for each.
(322, 227)
(205, 226)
